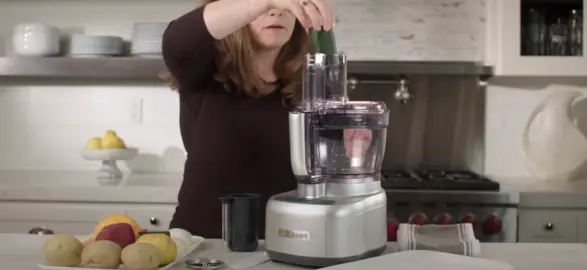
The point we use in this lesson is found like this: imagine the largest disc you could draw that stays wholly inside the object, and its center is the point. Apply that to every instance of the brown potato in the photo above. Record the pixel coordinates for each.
(101, 254)
(141, 256)
(63, 250)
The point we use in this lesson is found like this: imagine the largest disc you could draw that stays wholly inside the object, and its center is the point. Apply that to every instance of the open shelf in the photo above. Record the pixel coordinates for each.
(112, 68)
(144, 69)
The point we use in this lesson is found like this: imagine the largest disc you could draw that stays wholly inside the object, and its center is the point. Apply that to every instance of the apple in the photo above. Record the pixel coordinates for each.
(119, 233)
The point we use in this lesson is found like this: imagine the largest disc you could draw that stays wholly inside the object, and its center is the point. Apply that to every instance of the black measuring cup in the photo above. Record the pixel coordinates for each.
(240, 218)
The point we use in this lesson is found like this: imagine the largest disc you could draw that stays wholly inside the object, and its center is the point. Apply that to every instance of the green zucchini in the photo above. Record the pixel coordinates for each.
(322, 42)
(154, 232)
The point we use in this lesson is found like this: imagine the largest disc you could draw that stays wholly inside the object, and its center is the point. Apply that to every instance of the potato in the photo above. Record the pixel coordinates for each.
(101, 254)
(63, 250)
(141, 256)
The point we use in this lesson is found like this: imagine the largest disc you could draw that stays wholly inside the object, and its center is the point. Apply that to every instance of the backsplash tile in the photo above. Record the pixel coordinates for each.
(411, 29)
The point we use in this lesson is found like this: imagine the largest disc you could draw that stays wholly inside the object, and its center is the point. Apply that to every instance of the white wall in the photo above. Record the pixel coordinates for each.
(44, 127)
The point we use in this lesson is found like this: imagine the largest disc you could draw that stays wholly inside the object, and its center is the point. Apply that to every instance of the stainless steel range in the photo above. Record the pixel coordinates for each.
(447, 197)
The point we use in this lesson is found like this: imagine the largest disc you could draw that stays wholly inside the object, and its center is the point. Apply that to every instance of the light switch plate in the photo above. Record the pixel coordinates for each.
(136, 110)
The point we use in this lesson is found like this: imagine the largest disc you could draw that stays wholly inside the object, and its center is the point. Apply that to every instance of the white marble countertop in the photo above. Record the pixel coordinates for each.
(23, 252)
(86, 187)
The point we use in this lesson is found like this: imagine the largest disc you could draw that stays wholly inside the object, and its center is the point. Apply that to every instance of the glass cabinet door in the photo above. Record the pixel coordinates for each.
(551, 28)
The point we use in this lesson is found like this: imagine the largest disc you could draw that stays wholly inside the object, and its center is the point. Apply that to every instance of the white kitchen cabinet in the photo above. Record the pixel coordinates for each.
(78, 218)
(512, 24)
(152, 217)
(582, 228)
(548, 225)
(552, 225)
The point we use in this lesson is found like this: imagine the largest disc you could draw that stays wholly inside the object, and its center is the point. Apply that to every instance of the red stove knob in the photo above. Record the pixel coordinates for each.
(469, 218)
(491, 225)
(443, 219)
(392, 231)
(418, 219)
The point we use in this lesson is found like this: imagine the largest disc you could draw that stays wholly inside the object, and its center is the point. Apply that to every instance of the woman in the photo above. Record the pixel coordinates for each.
(236, 64)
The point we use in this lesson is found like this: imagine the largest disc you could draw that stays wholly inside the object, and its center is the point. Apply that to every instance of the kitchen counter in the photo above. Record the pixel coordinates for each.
(546, 194)
(72, 186)
(23, 252)
(83, 186)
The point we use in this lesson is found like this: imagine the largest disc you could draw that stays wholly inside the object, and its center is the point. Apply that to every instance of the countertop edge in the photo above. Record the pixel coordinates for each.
(86, 187)
(136, 188)
(22, 252)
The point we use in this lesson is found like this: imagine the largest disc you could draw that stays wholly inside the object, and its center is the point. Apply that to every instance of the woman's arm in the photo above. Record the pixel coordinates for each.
(188, 43)
(226, 16)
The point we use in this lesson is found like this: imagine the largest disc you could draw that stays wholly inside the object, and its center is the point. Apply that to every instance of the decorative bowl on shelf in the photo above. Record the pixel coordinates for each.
(109, 157)
(92, 46)
(35, 39)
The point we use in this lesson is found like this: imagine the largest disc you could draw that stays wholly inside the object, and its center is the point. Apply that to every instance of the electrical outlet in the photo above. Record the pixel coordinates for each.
(136, 110)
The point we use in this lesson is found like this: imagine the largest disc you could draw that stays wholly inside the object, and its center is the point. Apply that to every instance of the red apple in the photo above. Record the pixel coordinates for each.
(120, 233)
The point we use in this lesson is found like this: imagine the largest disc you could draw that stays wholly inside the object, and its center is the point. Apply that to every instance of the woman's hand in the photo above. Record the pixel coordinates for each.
(357, 141)
(315, 14)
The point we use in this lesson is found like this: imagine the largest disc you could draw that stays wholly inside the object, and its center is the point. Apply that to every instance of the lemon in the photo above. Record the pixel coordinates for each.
(111, 140)
(113, 143)
(164, 243)
(110, 133)
(94, 143)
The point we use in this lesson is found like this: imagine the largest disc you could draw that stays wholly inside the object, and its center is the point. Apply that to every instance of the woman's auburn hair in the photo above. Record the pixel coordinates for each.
(234, 62)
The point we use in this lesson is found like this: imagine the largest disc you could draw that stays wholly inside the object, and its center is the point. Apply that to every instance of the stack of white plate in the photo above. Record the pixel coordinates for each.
(147, 38)
(96, 46)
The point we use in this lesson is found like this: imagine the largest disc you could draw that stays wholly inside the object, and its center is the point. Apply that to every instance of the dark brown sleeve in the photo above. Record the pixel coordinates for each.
(188, 51)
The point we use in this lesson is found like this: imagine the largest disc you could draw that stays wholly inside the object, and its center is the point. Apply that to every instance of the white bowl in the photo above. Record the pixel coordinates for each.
(96, 45)
(35, 39)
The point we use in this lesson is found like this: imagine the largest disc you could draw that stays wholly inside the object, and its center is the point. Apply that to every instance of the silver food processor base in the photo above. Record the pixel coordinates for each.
(325, 231)
(321, 262)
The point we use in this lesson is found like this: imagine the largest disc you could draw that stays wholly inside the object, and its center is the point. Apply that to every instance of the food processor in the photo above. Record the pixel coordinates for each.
(338, 212)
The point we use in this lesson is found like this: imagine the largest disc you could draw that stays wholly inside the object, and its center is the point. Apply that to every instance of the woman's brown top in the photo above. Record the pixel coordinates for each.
(235, 143)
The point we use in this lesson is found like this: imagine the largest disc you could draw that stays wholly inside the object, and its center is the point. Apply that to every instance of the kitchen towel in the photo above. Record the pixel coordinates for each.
(455, 239)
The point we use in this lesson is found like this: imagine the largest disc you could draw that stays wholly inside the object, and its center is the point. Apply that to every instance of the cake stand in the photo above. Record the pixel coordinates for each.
(109, 157)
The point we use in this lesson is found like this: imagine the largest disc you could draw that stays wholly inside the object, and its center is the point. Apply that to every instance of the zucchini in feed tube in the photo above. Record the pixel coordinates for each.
(322, 42)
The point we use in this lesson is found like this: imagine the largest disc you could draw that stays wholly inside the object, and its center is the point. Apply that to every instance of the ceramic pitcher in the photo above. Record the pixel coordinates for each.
(557, 150)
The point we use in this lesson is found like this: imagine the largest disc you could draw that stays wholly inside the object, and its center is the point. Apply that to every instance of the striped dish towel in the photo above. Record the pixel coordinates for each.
(456, 239)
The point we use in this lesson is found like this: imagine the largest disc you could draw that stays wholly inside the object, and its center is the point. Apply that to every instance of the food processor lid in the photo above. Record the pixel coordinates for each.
(355, 107)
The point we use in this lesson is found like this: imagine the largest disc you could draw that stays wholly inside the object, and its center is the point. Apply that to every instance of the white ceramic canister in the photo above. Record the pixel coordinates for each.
(35, 39)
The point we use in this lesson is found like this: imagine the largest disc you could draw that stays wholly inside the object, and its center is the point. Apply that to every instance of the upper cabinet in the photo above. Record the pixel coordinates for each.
(536, 37)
